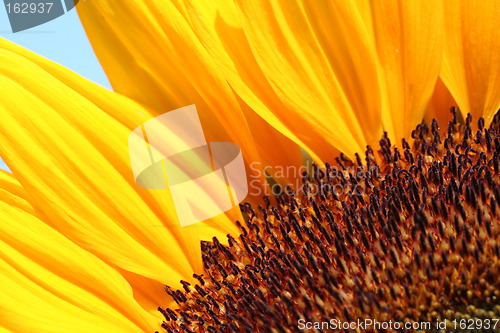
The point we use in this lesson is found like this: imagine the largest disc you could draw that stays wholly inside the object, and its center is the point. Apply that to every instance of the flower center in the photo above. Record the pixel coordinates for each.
(410, 237)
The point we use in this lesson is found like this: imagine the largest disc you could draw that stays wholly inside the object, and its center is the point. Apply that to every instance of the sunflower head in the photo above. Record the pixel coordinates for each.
(413, 236)
(407, 233)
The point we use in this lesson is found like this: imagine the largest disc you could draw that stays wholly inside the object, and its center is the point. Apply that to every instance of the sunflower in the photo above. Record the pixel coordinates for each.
(85, 249)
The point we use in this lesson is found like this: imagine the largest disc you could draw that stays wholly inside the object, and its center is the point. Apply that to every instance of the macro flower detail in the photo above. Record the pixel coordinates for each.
(414, 237)
(83, 248)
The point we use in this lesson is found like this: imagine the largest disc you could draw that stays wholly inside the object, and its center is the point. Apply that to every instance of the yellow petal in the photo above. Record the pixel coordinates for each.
(218, 28)
(49, 284)
(471, 63)
(409, 43)
(440, 104)
(151, 55)
(319, 74)
(147, 292)
(65, 139)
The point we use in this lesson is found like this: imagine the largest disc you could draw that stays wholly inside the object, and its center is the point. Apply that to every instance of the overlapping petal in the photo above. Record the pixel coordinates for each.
(471, 63)
(319, 59)
(151, 54)
(409, 37)
(345, 69)
(370, 68)
(65, 139)
(49, 284)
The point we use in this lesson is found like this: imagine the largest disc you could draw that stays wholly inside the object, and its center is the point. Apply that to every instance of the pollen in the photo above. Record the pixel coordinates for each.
(407, 234)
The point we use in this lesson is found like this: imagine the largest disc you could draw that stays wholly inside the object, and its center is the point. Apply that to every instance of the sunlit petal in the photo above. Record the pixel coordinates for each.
(319, 60)
(409, 43)
(163, 65)
(49, 284)
(471, 64)
(65, 140)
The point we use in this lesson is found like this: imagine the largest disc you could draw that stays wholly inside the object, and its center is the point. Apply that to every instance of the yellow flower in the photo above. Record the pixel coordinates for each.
(83, 248)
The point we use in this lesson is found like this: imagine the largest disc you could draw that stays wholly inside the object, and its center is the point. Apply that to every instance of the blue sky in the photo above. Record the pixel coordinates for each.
(62, 40)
